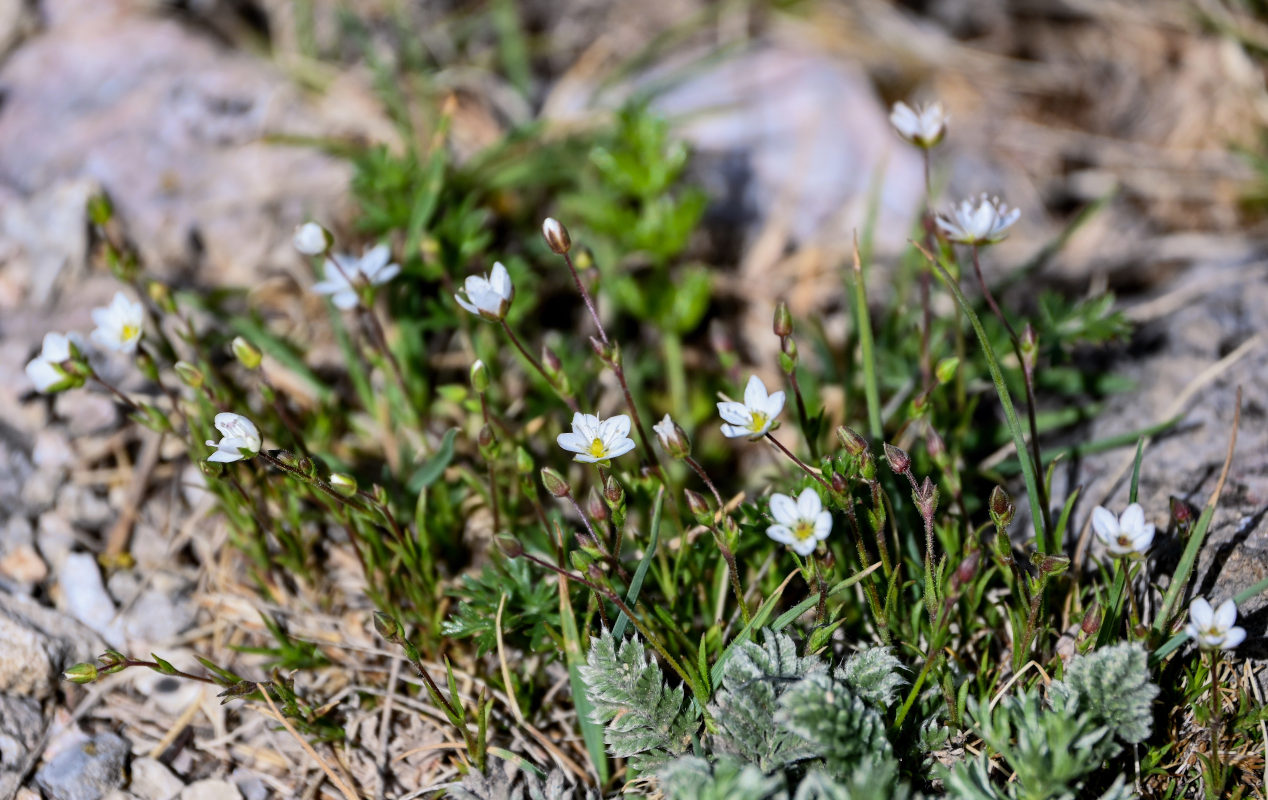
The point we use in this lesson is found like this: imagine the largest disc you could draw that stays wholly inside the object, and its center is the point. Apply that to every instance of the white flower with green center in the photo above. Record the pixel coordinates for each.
(1213, 628)
(800, 524)
(118, 324)
(1125, 535)
(755, 416)
(46, 371)
(923, 126)
(346, 275)
(985, 222)
(488, 296)
(595, 440)
(241, 439)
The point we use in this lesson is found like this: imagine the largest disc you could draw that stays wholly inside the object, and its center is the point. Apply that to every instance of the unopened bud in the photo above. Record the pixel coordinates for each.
(853, 443)
(783, 320)
(485, 438)
(1091, 619)
(867, 467)
(698, 506)
(246, 354)
(936, 446)
(898, 459)
(311, 239)
(189, 374)
(1182, 515)
(479, 377)
(387, 626)
(509, 545)
(550, 360)
(967, 568)
(595, 507)
(523, 461)
(672, 437)
(839, 484)
(343, 483)
(1049, 564)
(1002, 508)
(81, 673)
(827, 559)
(556, 236)
(946, 369)
(720, 339)
(613, 492)
(607, 352)
(161, 296)
(555, 483)
(1029, 347)
(146, 365)
(926, 497)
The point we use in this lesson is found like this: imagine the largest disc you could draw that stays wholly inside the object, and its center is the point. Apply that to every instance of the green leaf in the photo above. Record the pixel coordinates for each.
(431, 469)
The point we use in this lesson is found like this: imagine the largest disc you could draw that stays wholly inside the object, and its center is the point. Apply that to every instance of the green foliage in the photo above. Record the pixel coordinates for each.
(872, 781)
(1068, 323)
(1112, 686)
(838, 725)
(691, 778)
(644, 718)
(748, 700)
(530, 613)
(874, 676)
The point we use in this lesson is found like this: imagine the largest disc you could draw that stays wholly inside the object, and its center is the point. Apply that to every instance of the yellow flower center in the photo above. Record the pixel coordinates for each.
(129, 333)
(759, 421)
(804, 530)
(597, 448)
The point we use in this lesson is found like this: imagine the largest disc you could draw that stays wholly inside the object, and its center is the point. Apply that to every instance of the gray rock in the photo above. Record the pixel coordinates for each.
(211, 790)
(84, 597)
(22, 725)
(161, 612)
(151, 780)
(38, 644)
(88, 771)
(250, 784)
(40, 489)
(86, 412)
(84, 507)
(55, 537)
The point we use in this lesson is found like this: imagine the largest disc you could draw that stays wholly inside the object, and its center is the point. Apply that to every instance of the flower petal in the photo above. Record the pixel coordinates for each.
(804, 547)
(500, 281)
(823, 525)
(345, 300)
(755, 393)
(783, 509)
(1225, 615)
(734, 431)
(735, 413)
(1234, 637)
(572, 442)
(622, 447)
(781, 533)
(1105, 524)
(1132, 520)
(774, 405)
(1201, 613)
(808, 504)
(467, 305)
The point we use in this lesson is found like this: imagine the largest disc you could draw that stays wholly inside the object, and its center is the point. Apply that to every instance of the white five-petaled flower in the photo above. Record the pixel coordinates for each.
(755, 416)
(985, 222)
(595, 440)
(488, 296)
(1214, 628)
(118, 324)
(923, 126)
(240, 438)
(345, 275)
(1125, 535)
(45, 370)
(801, 524)
(310, 239)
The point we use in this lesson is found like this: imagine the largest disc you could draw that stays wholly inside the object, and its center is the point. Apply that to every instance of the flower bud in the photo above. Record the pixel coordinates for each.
(698, 506)
(1183, 515)
(161, 296)
(556, 236)
(853, 443)
(555, 483)
(550, 360)
(607, 352)
(946, 369)
(509, 545)
(523, 461)
(1029, 347)
(485, 438)
(479, 377)
(343, 483)
(596, 508)
(898, 459)
(867, 467)
(247, 355)
(827, 559)
(672, 438)
(311, 239)
(783, 320)
(936, 446)
(926, 497)
(81, 673)
(967, 568)
(1002, 508)
(1091, 619)
(387, 626)
(839, 484)
(613, 492)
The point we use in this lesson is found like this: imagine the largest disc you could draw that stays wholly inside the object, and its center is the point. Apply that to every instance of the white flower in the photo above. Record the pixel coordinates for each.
(1127, 535)
(984, 223)
(755, 416)
(45, 370)
(923, 126)
(311, 239)
(488, 296)
(1214, 628)
(118, 324)
(672, 438)
(801, 524)
(241, 439)
(594, 440)
(345, 274)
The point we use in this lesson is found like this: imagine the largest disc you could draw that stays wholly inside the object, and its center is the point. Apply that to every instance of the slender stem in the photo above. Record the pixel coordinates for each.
(871, 389)
(585, 295)
(638, 421)
(599, 543)
(1028, 381)
(704, 476)
(1005, 398)
(734, 571)
(1216, 714)
(801, 414)
(380, 341)
(174, 673)
(572, 404)
(926, 279)
(120, 396)
(800, 463)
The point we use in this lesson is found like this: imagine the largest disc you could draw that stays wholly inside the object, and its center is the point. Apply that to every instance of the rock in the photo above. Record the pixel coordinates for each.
(161, 612)
(89, 771)
(38, 644)
(170, 695)
(211, 790)
(151, 780)
(52, 449)
(15, 469)
(48, 232)
(22, 725)
(55, 538)
(40, 489)
(84, 507)
(23, 565)
(84, 597)
(250, 784)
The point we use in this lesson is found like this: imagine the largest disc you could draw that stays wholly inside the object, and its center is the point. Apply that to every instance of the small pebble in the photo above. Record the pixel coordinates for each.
(89, 771)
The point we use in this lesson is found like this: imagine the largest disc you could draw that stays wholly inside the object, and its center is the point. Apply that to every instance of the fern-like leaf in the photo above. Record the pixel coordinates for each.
(838, 726)
(691, 778)
(643, 717)
(873, 674)
(1112, 685)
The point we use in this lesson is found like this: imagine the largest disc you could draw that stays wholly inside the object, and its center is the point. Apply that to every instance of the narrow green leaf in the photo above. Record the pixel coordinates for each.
(636, 583)
(431, 469)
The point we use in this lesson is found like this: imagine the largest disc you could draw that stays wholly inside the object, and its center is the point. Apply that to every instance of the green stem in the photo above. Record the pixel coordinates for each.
(871, 390)
(675, 373)
(1005, 399)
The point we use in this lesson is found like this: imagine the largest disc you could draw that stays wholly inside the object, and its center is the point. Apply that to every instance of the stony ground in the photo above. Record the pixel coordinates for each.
(1055, 110)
